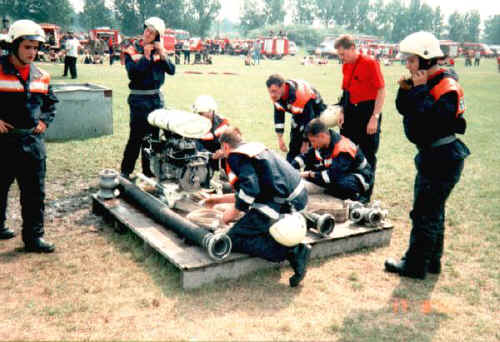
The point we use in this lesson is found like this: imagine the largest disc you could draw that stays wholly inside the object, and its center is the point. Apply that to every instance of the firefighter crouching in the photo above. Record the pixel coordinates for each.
(432, 105)
(146, 62)
(271, 193)
(302, 101)
(31, 108)
(206, 106)
(334, 164)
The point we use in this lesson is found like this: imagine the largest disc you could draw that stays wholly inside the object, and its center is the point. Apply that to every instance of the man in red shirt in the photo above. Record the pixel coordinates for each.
(362, 99)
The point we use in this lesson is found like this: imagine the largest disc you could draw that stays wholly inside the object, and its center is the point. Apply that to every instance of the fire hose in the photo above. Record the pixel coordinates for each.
(217, 245)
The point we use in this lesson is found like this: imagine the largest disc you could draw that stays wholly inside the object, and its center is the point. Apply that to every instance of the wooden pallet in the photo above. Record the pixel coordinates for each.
(198, 268)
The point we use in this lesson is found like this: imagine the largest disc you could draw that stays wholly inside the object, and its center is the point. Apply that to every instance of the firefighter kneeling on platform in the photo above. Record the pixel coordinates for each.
(271, 193)
(334, 164)
(29, 108)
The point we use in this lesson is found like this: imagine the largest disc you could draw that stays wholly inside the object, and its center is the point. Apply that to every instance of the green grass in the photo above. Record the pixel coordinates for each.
(100, 285)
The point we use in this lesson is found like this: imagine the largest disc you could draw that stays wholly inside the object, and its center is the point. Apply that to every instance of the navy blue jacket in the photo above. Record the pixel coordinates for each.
(264, 181)
(146, 74)
(426, 119)
(312, 109)
(25, 103)
(342, 157)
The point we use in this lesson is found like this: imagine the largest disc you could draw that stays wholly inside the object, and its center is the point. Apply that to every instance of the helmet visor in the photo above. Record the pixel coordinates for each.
(34, 37)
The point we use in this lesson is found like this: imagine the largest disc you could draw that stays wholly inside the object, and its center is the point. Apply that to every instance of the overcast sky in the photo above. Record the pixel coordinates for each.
(231, 8)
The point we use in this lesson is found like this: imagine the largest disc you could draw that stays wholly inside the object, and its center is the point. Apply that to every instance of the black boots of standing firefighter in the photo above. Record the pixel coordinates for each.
(298, 258)
(37, 245)
(6, 233)
(403, 268)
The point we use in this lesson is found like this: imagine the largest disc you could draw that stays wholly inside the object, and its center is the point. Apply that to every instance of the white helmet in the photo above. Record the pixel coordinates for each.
(204, 104)
(422, 44)
(157, 23)
(330, 117)
(290, 230)
(27, 29)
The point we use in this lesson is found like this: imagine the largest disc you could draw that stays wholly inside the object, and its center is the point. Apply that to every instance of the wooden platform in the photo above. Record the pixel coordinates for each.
(198, 268)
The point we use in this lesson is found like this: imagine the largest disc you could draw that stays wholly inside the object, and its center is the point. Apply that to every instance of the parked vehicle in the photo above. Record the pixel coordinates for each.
(53, 35)
(106, 34)
(275, 47)
(449, 48)
(327, 48)
(483, 48)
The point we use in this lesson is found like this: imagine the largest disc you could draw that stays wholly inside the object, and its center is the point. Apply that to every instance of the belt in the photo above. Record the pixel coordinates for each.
(21, 131)
(443, 141)
(144, 92)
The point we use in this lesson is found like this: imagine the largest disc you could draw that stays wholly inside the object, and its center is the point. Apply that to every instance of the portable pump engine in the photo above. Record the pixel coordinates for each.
(177, 161)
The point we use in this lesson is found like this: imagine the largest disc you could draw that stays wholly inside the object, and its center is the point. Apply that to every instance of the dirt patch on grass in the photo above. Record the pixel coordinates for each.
(99, 285)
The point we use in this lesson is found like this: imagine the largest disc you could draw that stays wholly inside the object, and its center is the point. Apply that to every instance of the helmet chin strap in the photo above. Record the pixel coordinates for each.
(426, 64)
(15, 53)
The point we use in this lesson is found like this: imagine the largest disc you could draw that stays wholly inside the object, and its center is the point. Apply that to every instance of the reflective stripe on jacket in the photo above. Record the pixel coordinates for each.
(303, 93)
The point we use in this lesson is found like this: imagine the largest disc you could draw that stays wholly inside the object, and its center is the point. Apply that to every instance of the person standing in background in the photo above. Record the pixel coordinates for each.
(362, 100)
(72, 45)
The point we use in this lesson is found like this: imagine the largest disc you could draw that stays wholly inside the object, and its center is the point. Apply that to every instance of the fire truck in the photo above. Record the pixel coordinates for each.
(275, 47)
(106, 33)
(52, 35)
(173, 37)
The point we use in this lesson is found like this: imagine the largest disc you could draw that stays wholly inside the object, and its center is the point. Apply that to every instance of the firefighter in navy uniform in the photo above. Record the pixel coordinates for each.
(266, 188)
(334, 163)
(302, 101)
(146, 62)
(432, 106)
(206, 106)
(29, 108)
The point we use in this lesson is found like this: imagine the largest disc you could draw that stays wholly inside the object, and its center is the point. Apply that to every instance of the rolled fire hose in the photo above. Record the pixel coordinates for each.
(210, 218)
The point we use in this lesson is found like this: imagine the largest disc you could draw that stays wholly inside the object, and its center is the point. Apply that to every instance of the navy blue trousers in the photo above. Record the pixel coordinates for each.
(26, 165)
(250, 235)
(140, 107)
(433, 185)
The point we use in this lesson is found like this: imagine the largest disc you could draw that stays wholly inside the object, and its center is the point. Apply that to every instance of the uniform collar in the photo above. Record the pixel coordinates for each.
(334, 139)
(436, 74)
(9, 68)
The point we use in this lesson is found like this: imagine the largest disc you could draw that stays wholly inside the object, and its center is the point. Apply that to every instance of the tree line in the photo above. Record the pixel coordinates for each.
(391, 20)
(195, 16)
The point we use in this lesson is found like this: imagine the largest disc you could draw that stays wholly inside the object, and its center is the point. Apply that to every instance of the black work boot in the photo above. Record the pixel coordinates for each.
(434, 267)
(402, 269)
(298, 258)
(39, 245)
(6, 233)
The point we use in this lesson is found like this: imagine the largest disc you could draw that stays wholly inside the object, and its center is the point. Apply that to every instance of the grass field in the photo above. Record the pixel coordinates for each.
(101, 286)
